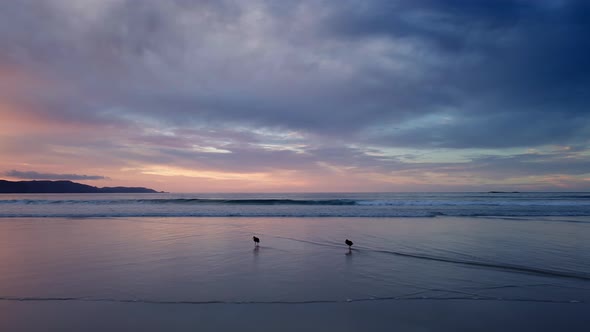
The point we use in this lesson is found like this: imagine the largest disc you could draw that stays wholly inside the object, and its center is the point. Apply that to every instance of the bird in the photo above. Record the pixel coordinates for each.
(349, 244)
(256, 240)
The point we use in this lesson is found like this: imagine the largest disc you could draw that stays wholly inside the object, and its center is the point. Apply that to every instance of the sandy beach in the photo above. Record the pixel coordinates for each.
(182, 274)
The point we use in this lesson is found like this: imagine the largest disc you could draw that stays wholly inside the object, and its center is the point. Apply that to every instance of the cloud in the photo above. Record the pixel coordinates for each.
(125, 82)
(314, 66)
(493, 130)
(32, 175)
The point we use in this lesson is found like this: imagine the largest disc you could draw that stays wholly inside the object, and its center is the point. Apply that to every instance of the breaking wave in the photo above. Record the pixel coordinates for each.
(327, 202)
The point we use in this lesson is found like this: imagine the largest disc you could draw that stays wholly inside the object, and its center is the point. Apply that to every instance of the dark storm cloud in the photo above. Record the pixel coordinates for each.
(552, 32)
(520, 64)
(32, 175)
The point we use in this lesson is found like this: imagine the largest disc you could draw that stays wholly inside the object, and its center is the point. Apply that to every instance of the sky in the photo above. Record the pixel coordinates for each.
(297, 96)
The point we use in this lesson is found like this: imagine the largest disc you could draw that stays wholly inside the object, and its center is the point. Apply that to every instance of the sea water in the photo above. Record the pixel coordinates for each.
(198, 249)
(296, 205)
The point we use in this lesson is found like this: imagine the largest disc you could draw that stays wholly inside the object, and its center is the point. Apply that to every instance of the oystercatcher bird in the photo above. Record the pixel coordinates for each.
(349, 244)
(256, 240)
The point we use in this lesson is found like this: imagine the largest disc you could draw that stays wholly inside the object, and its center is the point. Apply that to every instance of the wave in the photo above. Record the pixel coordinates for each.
(185, 201)
(393, 214)
(574, 196)
(508, 215)
(319, 301)
(472, 203)
(295, 205)
(318, 202)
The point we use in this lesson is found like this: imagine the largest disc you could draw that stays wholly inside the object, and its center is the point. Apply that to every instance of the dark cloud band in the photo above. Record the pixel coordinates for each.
(32, 175)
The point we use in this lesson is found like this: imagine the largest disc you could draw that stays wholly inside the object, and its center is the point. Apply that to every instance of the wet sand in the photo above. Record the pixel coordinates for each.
(415, 315)
(204, 274)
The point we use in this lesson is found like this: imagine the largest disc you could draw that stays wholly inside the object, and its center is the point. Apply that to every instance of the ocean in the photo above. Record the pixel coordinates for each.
(420, 261)
(296, 205)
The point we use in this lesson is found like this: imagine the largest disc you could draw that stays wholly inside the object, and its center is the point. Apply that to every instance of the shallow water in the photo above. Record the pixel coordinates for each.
(300, 260)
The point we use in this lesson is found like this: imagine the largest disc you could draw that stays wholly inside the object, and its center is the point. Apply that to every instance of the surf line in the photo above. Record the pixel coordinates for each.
(187, 302)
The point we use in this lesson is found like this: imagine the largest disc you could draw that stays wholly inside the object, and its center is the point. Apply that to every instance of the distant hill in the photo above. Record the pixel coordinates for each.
(63, 187)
